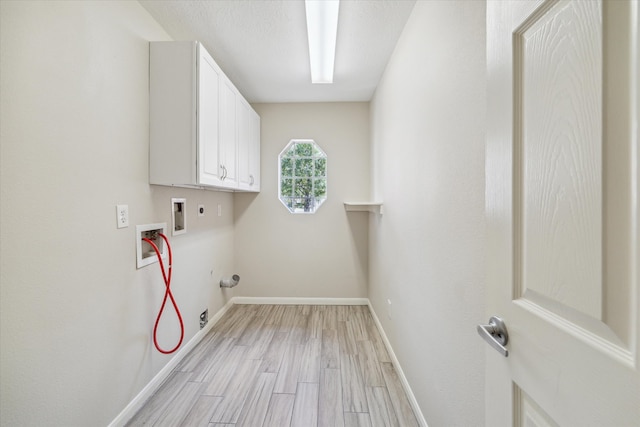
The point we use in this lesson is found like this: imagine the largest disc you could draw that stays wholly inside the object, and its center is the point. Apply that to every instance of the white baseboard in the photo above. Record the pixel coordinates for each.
(300, 301)
(396, 364)
(134, 406)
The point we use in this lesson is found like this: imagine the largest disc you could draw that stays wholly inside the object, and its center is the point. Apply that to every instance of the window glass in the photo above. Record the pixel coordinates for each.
(302, 180)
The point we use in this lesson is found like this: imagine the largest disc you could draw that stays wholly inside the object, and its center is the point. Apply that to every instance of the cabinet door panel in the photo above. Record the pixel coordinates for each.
(209, 172)
(254, 151)
(244, 142)
(227, 134)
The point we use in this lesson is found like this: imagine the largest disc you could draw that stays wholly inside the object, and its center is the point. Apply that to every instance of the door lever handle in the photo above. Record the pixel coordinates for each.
(495, 333)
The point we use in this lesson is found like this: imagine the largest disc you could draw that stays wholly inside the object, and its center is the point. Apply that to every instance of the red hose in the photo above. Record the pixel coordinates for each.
(167, 282)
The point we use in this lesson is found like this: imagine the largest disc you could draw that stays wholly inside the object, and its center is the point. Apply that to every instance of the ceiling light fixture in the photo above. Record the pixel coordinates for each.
(322, 29)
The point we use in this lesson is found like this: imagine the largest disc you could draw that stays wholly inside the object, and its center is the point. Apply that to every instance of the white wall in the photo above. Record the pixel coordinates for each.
(426, 252)
(76, 315)
(279, 254)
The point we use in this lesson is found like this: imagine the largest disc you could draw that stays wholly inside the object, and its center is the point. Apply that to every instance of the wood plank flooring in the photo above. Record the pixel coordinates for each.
(284, 365)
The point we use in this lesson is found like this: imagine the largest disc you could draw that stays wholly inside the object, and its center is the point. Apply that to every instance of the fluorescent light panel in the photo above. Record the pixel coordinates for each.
(322, 29)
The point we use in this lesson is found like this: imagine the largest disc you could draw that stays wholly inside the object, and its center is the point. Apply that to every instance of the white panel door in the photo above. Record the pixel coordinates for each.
(562, 210)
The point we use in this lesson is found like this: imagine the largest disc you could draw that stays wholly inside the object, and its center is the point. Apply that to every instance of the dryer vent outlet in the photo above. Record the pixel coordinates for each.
(230, 282)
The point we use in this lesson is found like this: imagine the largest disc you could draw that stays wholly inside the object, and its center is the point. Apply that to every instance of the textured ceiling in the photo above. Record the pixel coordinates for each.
(262, 44)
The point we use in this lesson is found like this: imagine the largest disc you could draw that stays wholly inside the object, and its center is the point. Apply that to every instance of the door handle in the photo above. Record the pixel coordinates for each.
(495, 333)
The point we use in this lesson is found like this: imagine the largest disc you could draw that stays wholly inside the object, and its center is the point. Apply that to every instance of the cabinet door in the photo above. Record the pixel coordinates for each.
(244, 142)
(209, 171)
(254, 151)
(228, 146)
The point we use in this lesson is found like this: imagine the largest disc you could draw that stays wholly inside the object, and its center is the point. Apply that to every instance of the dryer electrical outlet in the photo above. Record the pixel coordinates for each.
(145, 254)
(204, 318)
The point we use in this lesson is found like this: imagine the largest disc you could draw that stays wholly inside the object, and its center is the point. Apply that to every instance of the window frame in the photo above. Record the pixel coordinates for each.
(317, 154)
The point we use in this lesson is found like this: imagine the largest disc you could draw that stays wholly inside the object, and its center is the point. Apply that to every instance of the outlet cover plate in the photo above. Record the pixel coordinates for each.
(122, 214)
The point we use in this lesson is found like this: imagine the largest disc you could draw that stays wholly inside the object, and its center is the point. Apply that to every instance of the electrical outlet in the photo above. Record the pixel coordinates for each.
(204, 318)
(389, 308)
(122, 213)
(219, 210)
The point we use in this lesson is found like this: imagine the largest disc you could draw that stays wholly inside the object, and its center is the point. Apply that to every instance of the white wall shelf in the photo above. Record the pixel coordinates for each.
(373, 207)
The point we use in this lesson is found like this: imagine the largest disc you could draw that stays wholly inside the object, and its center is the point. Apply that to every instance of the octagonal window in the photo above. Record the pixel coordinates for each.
(302, 180)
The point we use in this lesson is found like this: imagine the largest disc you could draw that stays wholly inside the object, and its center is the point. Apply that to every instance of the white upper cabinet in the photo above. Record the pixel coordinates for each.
(248, 147)
(228, 131)
(254, 151)
(209, 158)
(196, 133)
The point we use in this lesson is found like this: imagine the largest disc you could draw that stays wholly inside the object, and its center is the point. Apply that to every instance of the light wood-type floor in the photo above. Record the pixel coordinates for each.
(284, 365)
